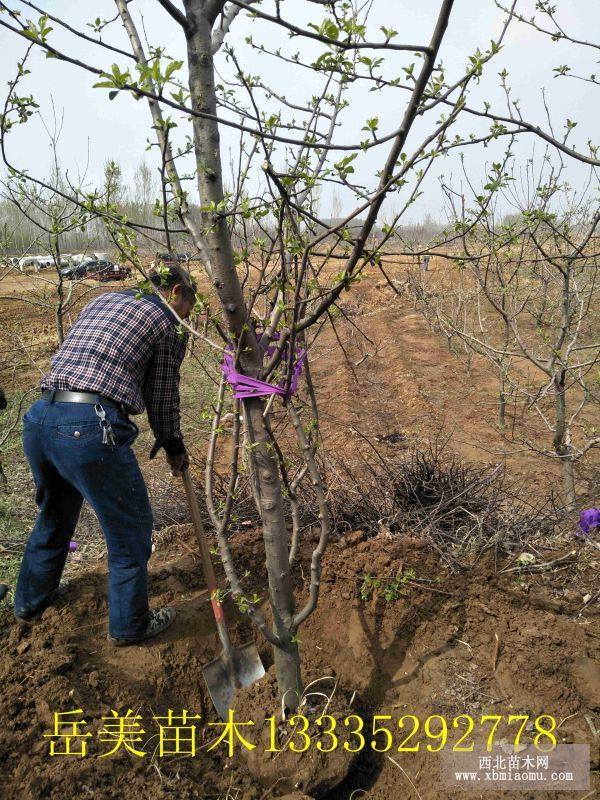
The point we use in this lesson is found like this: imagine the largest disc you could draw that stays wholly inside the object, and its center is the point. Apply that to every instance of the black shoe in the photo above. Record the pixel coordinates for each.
(160, 620)
(31, 616)
(27, 618)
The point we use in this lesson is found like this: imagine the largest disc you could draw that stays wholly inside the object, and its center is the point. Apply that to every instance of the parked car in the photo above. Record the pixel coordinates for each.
(77, 271)
(110, 272)
(85, 268)
(169, 258)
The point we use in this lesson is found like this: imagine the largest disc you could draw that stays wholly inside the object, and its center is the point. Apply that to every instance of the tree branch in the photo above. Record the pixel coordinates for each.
(163, 141)
(353, 45)
(177, 15)
(220, 31)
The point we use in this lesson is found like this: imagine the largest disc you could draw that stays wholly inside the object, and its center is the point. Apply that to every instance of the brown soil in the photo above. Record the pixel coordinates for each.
(404, 382)
(431, 651)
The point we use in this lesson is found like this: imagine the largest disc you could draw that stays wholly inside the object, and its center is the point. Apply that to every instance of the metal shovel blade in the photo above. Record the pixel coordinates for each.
(247, 668)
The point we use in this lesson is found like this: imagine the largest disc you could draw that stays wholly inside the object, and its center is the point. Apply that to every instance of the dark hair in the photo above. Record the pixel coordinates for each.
(171, 275)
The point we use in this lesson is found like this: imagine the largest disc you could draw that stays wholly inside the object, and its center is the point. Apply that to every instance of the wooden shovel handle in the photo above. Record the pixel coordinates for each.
(209, 573)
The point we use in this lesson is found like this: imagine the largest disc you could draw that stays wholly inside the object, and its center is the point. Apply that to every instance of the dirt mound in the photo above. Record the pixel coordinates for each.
(284, 757)
(410, 639)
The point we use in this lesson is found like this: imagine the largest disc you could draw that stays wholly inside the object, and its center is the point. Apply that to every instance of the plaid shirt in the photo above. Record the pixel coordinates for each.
(130, 351)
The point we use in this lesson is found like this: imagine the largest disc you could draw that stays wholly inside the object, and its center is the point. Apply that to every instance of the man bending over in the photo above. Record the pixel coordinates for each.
(122, 355)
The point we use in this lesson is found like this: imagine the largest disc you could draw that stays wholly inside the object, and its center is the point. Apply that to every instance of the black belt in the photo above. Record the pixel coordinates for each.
(64, 396)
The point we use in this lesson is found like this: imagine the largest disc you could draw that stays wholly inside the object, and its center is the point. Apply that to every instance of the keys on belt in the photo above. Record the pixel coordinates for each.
(89, 398)
(107, 431)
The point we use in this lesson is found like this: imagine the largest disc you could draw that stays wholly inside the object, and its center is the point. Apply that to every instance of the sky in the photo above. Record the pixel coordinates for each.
(94, 129)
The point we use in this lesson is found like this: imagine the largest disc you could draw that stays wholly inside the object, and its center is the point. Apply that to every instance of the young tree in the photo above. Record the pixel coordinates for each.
(276, 269)
(145, 185)
(526, 298)
(52, 218)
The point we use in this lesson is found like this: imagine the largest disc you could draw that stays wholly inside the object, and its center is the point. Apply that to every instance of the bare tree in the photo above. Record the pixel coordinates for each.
(52, 218)
(145, 183)
(526, 298)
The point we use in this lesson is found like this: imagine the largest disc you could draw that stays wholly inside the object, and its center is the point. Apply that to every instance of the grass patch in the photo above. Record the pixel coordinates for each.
(17, 510)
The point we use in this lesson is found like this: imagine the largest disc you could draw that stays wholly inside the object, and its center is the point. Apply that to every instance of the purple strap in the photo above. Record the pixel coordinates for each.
(588, 519)
(244, 386)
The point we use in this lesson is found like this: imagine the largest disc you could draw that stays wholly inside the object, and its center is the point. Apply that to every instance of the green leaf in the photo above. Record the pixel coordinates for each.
(389, 32)
(371, 124)
(330, 29)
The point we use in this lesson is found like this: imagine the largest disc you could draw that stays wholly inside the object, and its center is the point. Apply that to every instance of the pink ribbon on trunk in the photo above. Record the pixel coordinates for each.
(244, 386)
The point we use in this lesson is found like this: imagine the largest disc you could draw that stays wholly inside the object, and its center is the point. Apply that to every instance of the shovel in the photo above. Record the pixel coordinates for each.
(235, 667)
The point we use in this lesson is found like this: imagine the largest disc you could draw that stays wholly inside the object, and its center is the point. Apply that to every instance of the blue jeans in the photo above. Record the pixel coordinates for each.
(63, 443)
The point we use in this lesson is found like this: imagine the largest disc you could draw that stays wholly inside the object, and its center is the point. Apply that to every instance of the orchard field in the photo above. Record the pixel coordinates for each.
(410, 622)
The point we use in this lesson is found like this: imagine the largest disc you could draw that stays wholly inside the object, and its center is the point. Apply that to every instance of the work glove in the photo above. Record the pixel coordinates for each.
(178, 463)
(175, 451)
(172, 445)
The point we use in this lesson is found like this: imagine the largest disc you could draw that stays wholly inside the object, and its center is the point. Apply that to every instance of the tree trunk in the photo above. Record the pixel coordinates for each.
(267, 487)
(60, 295)
(502, 396)
(504, 361)
(227, 285)
(562, 434)
(568, 466)
(561, 441)
(60, 332)
(502, 407)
